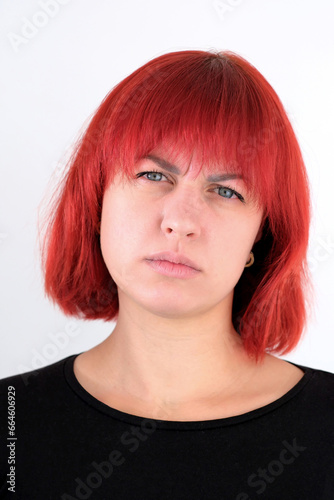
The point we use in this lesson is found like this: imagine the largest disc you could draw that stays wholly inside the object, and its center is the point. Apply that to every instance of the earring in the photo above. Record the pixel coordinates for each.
(250, 262)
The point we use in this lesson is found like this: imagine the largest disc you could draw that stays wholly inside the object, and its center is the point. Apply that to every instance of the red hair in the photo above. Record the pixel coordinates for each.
(219, 105)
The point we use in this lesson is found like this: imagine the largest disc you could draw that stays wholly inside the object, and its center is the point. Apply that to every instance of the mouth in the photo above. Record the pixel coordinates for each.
(173, 265)
(174, 258)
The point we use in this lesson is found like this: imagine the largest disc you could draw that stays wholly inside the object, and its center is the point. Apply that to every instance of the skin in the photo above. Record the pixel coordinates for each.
(174, 353)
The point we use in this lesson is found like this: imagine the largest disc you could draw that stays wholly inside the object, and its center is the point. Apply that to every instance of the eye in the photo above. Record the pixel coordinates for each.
(228, 193)
(152, 175)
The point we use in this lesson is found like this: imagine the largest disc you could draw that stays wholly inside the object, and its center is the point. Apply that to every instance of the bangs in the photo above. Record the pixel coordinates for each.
(206, 104)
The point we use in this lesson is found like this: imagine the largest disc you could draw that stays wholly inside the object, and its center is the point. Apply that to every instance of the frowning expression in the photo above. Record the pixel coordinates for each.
(175, 241)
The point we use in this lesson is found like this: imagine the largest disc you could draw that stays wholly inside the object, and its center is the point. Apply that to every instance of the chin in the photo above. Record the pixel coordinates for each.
(173, 312)
(169, 305)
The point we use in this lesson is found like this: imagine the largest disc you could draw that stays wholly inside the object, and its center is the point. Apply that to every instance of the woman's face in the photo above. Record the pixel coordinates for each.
(167, 209)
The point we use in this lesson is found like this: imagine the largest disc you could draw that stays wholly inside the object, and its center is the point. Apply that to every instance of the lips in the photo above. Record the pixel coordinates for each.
(174, 258)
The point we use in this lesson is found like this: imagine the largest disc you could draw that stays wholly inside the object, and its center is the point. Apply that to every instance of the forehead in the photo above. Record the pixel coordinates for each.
(219, 175)
(180, 162)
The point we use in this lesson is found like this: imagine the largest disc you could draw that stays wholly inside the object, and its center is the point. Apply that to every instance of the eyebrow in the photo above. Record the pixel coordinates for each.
(175, 170)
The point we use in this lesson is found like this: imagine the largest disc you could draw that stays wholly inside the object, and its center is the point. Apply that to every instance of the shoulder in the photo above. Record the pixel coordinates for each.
(26, 378)
(42, 383)
(318, 374)
(308, 390)
(315, 399)
(317, 381)
(321, 380)
(279, 370)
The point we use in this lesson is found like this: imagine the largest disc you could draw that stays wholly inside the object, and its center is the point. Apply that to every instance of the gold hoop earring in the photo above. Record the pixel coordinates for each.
(250, 262)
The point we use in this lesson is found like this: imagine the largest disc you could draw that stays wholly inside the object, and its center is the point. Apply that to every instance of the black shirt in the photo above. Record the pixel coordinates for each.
(65, 445)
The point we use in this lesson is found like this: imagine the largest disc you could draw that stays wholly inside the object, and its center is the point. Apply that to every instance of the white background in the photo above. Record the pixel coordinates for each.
(57, 64)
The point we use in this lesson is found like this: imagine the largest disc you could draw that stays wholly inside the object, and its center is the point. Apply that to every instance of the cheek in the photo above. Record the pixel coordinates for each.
(123, 227)
(233, 242)
(111, 233)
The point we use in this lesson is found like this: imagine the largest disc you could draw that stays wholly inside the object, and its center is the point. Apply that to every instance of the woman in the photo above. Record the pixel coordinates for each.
(184, 216)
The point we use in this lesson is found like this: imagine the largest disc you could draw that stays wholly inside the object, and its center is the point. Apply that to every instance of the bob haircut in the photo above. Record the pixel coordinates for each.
(219, 105)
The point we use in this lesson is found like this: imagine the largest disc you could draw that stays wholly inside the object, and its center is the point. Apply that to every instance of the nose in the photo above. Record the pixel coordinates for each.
(181, 216)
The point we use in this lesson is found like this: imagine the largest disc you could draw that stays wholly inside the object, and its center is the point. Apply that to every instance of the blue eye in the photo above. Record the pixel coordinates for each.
(226, 192)
(152, 175)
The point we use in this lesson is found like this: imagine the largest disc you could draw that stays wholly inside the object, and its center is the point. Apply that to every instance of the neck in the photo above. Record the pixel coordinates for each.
(173, 362)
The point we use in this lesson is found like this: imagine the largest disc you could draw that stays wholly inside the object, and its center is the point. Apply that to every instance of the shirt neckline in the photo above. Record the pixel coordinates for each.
(176, 424)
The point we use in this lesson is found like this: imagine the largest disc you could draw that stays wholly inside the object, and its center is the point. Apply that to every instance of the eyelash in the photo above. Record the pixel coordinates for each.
(238, 195)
